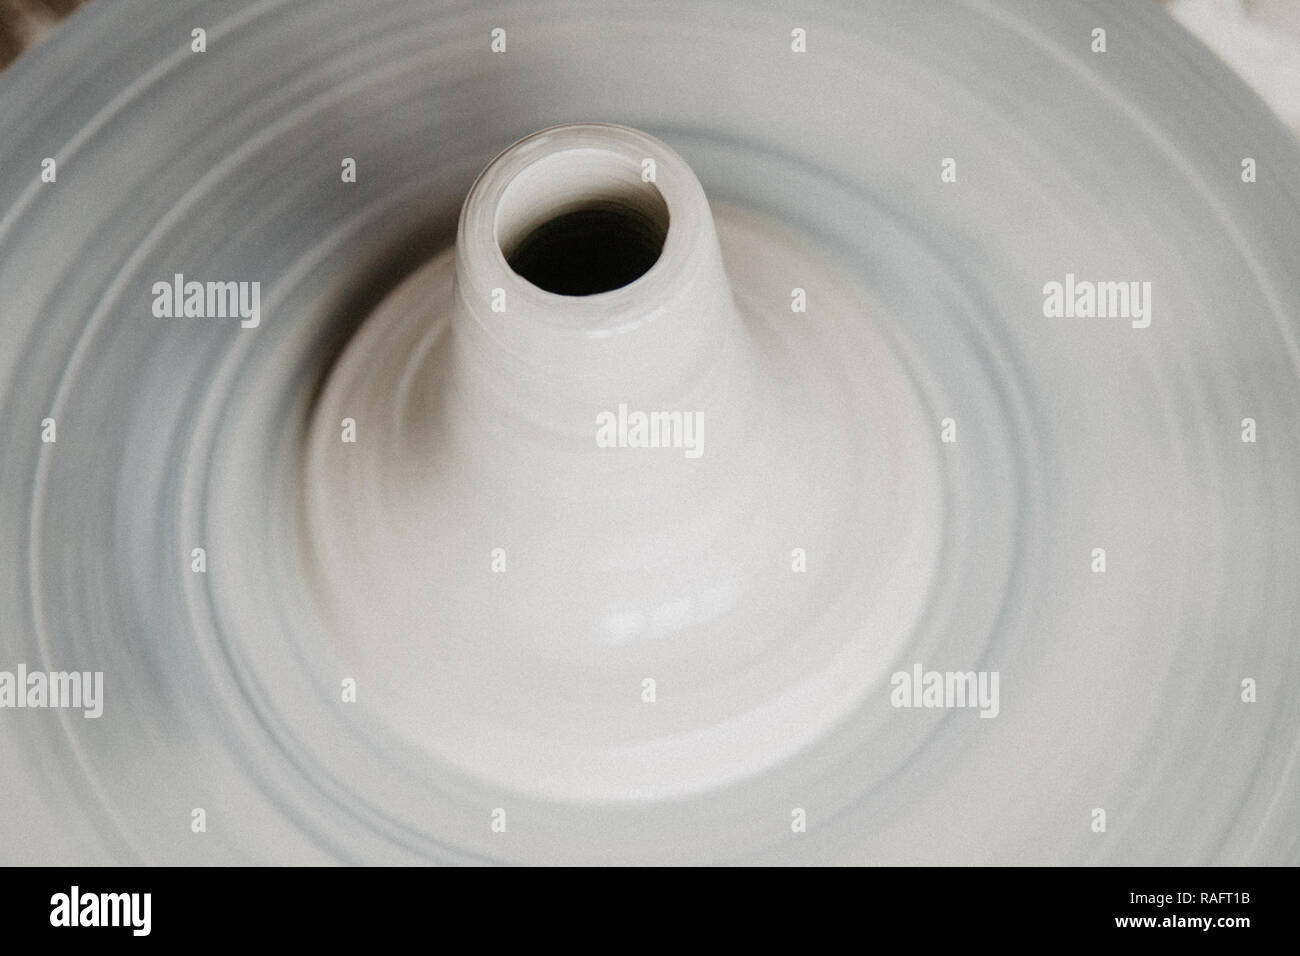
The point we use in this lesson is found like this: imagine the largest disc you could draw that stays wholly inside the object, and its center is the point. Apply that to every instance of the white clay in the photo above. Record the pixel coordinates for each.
(621, 563)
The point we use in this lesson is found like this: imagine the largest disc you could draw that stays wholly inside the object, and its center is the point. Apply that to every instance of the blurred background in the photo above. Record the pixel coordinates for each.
(24, 23)
(1260, 39)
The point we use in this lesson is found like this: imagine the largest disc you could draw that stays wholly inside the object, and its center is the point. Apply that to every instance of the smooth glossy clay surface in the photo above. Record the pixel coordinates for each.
(523, 690)
(620, 564)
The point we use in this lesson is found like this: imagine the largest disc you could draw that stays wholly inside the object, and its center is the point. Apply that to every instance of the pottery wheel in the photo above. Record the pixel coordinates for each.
(986, 343)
